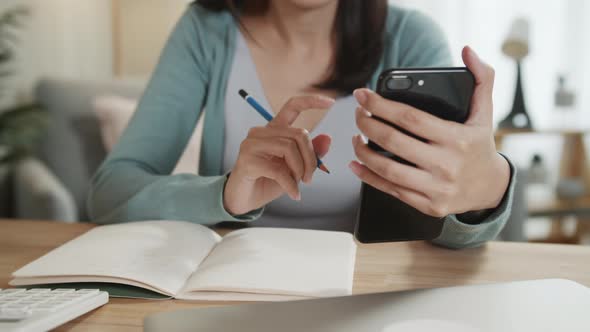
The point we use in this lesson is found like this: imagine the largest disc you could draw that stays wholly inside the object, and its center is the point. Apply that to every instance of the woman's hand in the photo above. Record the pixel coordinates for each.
(275, 158)
(458, 169)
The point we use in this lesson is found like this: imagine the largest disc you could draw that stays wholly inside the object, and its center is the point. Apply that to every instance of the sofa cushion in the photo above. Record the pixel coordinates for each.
(72, 148)
(115, 112)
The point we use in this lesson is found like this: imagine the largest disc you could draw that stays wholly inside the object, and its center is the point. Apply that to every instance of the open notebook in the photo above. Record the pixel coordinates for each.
(191, 262)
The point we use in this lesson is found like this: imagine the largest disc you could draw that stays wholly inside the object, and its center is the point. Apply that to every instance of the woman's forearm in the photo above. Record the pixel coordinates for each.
(145, 196)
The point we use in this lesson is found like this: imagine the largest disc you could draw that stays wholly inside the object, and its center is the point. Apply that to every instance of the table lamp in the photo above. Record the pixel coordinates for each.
(516, 46)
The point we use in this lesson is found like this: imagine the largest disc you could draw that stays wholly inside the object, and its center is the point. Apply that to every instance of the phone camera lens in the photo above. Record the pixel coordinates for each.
(399, 83)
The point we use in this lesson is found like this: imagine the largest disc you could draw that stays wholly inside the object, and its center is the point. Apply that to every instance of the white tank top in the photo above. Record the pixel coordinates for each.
(331, 201)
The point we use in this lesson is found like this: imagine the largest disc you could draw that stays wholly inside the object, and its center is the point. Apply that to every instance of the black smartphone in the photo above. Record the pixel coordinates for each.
(442, 92)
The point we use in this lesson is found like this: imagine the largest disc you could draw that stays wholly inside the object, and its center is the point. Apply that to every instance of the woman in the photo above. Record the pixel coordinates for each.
(327, 52)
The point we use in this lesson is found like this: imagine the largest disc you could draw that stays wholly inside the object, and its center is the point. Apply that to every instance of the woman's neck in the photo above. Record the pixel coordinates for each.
(294, 28)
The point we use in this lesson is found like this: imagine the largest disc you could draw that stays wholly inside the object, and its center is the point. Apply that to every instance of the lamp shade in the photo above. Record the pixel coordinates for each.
(516, 44)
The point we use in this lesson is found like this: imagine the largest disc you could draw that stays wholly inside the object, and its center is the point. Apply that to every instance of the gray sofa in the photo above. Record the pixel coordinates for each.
(54, 185)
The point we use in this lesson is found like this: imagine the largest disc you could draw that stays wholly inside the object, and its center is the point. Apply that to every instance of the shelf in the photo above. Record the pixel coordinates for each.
(573, 164)
(501, 133)
(561, 208)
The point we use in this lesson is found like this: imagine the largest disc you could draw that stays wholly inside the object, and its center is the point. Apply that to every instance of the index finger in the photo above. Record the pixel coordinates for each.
(296, 105)
(411, 119)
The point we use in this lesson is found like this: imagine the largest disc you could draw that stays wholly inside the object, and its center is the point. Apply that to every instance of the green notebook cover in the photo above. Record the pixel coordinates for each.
(114, 290)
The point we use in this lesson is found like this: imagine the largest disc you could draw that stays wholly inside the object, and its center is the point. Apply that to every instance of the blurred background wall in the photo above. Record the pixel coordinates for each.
(140, 29)
(64, 38)
(98, 39)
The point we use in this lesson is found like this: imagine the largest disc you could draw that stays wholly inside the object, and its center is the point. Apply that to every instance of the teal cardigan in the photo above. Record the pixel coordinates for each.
(134, 183)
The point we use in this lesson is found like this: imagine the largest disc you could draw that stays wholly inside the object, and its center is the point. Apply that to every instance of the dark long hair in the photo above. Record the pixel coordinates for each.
(359, 28)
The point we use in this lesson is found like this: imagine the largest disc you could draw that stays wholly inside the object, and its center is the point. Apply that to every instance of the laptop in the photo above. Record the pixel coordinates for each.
(541, 305)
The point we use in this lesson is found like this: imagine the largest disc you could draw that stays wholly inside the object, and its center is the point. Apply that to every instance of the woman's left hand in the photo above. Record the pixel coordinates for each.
(458, 168)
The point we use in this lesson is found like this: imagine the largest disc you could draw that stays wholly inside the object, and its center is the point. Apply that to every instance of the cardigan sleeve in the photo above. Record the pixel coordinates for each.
(423, 44)
(457, 234)
(134, 183)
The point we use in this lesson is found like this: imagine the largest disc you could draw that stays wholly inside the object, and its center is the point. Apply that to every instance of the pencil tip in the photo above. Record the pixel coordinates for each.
(324, 168)
(243, 93)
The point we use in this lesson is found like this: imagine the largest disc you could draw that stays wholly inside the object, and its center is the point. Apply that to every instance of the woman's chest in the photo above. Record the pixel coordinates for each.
(329, 193)
(282, 78)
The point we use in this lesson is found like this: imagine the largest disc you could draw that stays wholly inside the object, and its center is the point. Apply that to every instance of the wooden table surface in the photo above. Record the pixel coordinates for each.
(379, 268)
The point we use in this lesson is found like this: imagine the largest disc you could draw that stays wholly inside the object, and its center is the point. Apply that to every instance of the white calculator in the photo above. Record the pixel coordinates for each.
(45, 309)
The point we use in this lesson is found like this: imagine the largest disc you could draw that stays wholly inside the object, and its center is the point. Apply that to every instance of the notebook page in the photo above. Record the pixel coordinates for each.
(239, 297)
(161, 254)
(302, 263)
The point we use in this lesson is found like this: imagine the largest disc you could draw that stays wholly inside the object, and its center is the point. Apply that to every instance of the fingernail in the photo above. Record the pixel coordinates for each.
(354, 167)
(327, 99)
(472, 52)
(359, 139)
(364, 112)
(361, 96)
(298, 197)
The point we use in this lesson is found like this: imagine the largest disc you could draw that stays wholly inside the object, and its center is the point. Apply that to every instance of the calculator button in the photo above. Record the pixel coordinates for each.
(77, 297)
(15, 306)
(43, 307)
(36, 291)
(10, 292)
(14, 314)
(38, 298)
(62, 291)
(55, 304)
(87, 291)
(26, 302)
(20, 296)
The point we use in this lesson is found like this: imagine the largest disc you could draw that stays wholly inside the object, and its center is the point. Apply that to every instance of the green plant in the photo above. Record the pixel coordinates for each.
(21, 127)
(20, 130)
(10, 22)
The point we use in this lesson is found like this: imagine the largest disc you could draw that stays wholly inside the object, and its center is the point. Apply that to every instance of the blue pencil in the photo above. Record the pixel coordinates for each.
(268, 117)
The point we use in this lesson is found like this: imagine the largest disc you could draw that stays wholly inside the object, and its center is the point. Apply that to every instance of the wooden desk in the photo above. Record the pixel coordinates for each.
(379, 268)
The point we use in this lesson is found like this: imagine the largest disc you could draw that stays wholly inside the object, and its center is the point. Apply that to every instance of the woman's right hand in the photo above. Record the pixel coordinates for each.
(275, 158)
